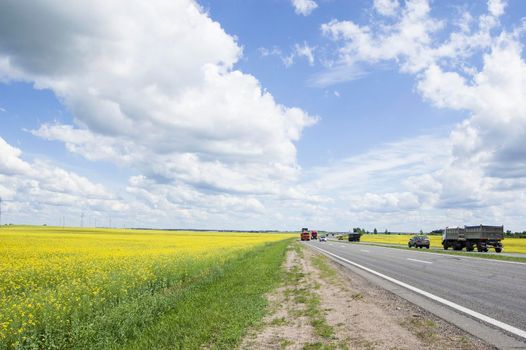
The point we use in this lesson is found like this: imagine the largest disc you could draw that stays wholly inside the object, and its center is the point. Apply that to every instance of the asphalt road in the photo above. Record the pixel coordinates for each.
(493, 288)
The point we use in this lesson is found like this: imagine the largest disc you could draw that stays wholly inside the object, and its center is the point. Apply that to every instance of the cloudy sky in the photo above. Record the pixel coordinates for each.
(275, 114)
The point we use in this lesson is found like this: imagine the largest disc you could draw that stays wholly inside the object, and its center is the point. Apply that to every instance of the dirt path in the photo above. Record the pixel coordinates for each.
(324, 306)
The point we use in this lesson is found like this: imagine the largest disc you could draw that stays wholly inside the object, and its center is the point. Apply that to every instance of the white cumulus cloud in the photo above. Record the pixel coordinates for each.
(10, 162)
(386, 7)
(486, 151)
(146, 94)
(305, 51)
(38, 188)
(304, 7)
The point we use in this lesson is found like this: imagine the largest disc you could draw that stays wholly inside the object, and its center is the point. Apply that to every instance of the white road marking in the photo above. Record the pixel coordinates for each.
(422, 261)
(472, 313)
(365, 250)
(341, 245)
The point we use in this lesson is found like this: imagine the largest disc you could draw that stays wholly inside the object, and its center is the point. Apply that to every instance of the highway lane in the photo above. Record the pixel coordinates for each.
(493, 288)
(439, 250)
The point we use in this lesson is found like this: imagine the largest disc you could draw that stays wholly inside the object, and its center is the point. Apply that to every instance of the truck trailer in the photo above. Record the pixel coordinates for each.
(469, 237)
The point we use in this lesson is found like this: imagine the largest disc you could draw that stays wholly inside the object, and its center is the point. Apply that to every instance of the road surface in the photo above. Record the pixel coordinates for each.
(495, 289)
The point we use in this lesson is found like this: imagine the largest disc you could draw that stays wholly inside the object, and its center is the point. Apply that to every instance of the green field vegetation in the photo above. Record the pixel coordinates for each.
(113, 289)
(511, 245)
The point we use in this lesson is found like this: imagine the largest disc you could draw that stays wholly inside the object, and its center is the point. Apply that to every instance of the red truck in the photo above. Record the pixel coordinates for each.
(314, 234)
(305, 234)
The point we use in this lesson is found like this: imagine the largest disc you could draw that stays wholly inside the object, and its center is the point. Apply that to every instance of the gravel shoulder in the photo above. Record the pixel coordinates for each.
(321, 305)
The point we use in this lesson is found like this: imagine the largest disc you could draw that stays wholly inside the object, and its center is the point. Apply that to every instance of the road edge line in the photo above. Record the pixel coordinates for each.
(511, 329)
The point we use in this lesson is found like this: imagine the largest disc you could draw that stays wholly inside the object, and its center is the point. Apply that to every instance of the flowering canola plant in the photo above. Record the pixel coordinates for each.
(53, 279)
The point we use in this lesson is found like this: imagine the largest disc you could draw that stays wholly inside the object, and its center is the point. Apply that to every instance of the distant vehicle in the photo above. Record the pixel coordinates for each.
(305, 234)
(314, 234)
(354, 237)
(470, 237)
(418, 242)
(323, 239)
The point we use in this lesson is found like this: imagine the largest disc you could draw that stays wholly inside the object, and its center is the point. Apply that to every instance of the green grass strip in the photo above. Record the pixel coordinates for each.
(216, 313)
(306, 294)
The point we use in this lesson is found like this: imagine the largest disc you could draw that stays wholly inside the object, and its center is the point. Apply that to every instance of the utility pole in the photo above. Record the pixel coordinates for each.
(110, 220)
(63, 221)
(82, 219)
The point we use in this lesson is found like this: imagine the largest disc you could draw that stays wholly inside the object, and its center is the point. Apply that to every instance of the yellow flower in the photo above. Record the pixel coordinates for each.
(49, 274)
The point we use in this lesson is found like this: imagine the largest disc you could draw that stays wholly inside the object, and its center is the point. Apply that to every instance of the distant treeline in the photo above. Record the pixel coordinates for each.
(515, 234)
(385, 232)
(205, 230)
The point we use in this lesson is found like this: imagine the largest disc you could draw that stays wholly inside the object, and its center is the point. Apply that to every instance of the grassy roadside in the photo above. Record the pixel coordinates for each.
(216, 312)
(447, 252)
(307, 294)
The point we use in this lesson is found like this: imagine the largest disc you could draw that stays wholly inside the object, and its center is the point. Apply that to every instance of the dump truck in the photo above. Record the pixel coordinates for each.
(354, 237)
(305, 234)
(314, 234)
(469, 237)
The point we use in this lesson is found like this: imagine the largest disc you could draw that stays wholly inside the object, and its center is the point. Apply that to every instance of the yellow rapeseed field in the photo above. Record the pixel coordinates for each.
(514, 245)
(53, 279)
(511, 245)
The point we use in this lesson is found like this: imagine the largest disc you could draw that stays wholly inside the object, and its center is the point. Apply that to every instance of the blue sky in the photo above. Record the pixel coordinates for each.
(355, 109)
(400, 115)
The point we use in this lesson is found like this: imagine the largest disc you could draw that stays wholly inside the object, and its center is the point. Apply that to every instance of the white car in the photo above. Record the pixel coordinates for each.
(323, 239)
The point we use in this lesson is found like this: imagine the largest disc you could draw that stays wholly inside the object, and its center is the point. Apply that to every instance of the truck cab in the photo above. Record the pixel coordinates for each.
(305, 234)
